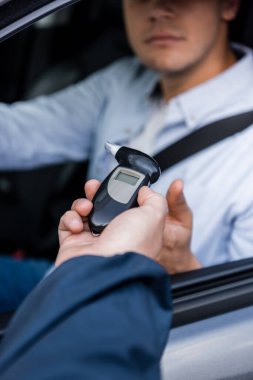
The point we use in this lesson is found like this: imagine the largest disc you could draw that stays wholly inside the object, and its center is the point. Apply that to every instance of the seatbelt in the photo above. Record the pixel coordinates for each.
(203, 138)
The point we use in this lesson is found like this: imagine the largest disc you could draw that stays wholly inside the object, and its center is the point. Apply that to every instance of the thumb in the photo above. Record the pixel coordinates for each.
(148, 197)
(178, 207)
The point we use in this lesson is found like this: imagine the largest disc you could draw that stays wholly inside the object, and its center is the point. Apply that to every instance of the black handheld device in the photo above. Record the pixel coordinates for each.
(119, 191)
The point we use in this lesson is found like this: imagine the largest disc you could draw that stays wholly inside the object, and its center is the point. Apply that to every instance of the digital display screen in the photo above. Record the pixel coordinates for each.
(130, 179)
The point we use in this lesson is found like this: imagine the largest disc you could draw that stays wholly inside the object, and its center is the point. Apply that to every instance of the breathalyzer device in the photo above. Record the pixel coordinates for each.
(119, 191)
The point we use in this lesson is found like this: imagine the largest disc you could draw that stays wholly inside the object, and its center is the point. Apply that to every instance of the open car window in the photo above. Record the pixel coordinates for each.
(50, 55)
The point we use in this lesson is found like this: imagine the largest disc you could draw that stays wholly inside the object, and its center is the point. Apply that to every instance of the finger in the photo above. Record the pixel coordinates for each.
(70, 223)
(178, 207)
(91, 187)
(82, 206)
(148, 197)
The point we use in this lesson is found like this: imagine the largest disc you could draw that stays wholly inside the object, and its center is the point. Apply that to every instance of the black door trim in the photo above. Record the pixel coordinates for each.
(212, 291)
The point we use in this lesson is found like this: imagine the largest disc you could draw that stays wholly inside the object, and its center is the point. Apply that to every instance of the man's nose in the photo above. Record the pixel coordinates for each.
(162, 9)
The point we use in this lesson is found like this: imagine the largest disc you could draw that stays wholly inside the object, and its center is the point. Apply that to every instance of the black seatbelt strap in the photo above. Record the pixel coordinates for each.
(203, 138)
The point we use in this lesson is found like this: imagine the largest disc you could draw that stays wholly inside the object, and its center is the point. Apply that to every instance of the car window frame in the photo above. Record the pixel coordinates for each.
(15, 18)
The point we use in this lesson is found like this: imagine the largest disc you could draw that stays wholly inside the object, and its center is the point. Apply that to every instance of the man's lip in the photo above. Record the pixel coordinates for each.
(163, 38)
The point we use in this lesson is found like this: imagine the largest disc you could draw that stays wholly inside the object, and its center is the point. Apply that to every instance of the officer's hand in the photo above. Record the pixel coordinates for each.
(137, 230)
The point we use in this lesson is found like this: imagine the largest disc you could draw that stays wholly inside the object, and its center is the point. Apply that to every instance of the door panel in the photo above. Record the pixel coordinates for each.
(216, 348)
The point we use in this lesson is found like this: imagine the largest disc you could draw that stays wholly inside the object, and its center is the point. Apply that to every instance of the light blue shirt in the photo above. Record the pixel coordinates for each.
(116, 105)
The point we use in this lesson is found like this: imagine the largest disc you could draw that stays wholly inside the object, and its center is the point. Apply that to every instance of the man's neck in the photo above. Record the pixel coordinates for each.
(175, 84)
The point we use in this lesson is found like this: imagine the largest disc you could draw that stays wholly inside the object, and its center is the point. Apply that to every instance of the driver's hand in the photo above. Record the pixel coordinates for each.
(176, 255)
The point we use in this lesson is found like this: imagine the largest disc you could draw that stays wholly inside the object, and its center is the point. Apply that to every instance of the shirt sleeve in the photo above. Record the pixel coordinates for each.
(52, 128)
(93, 318)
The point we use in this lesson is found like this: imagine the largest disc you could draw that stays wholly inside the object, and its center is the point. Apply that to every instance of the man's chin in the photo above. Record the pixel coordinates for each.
(163, 62)
(166, 67)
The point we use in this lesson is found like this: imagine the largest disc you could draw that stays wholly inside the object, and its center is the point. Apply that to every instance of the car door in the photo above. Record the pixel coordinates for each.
(212, 334)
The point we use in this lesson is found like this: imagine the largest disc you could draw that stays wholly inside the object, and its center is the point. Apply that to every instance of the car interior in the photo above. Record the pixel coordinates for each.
(51, 55)
(54, 52)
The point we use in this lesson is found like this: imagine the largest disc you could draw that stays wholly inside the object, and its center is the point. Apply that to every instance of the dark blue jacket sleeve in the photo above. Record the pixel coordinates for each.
(17, 280)
(93, 318)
